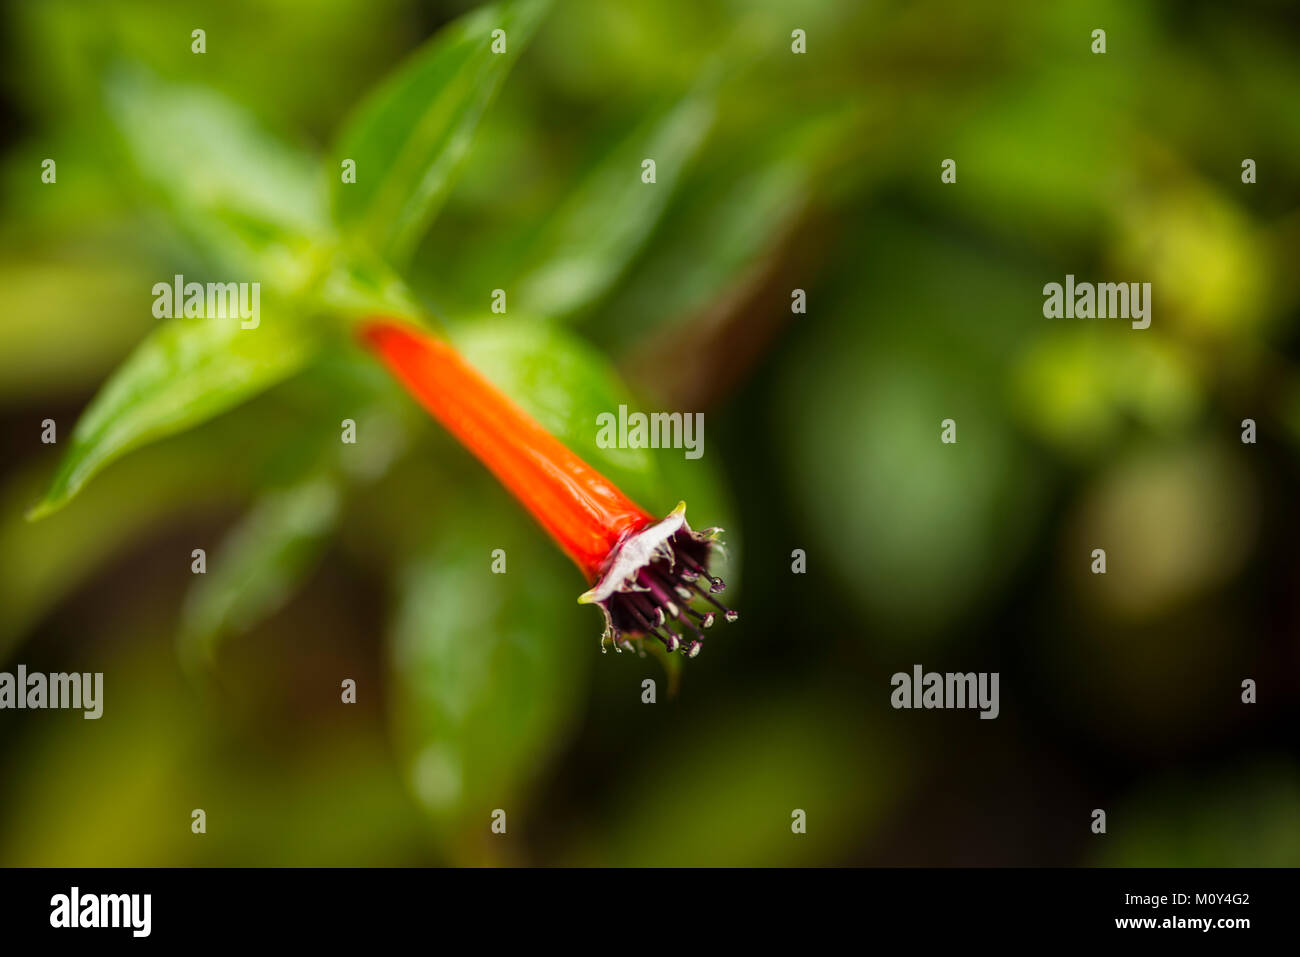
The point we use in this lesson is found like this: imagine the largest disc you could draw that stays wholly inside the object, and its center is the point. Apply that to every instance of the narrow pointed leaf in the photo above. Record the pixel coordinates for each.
(597, 230)
(409, 138)
(251, 201)
(260, 564)
(184, 373)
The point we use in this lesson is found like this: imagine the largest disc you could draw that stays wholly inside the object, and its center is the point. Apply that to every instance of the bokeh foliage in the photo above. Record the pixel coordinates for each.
(774, 171)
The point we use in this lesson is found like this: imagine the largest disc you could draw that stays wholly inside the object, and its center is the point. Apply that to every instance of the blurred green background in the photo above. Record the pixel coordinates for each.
(775, 171)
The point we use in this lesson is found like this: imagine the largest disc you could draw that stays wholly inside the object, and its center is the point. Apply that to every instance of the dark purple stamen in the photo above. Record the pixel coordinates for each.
(706, 618)
(727, 613)
(671, 642)
(662, 590)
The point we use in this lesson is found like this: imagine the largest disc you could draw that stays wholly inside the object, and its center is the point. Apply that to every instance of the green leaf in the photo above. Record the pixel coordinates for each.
(597, 230)
(185, 373)
(260, 564)
(487, 668)
(721, 235)
(245, 197)
(409, 138)
(356, 285)
(565, 384)
(41, 563)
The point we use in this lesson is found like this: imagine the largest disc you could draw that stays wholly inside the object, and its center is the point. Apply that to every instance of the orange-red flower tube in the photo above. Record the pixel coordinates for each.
(643, 573)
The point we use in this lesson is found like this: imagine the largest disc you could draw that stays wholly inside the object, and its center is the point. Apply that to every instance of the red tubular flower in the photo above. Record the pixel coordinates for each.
(643, 573)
